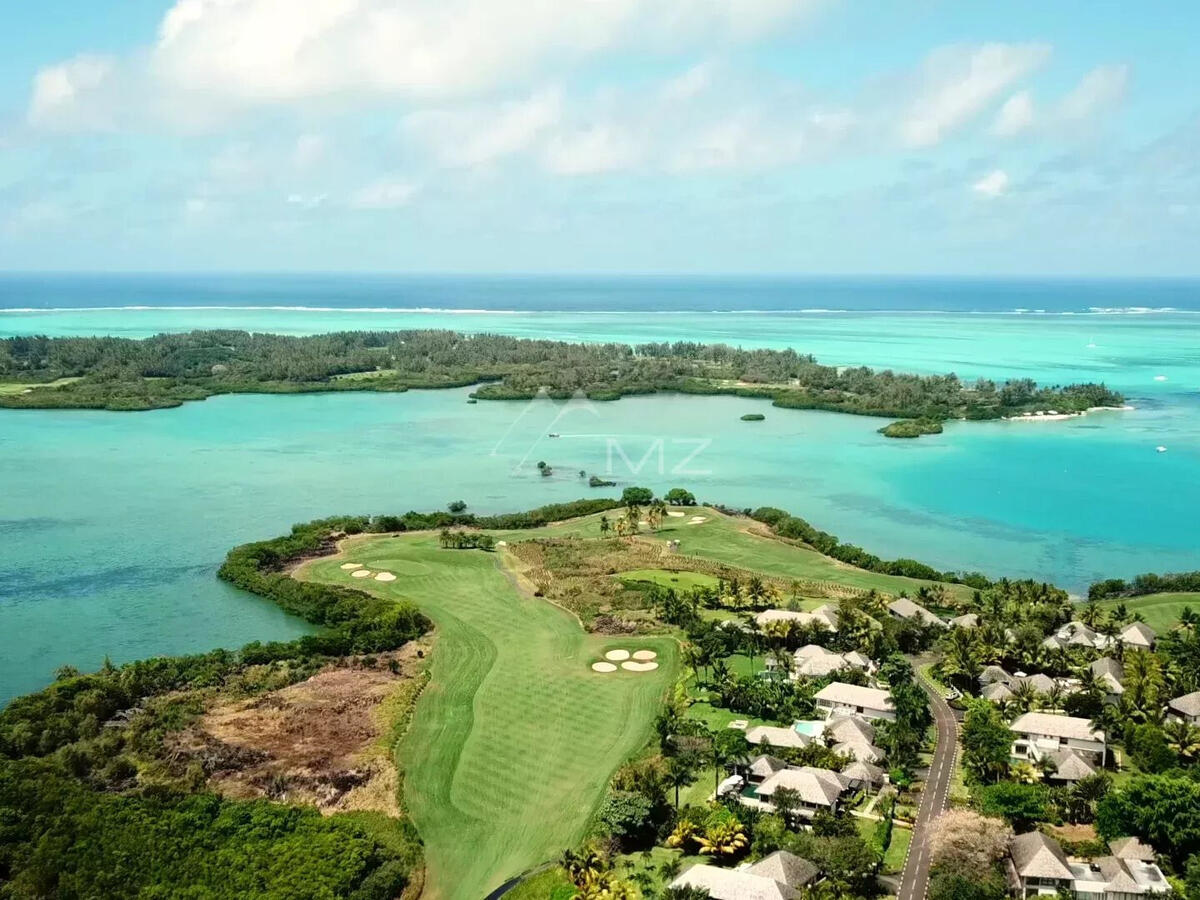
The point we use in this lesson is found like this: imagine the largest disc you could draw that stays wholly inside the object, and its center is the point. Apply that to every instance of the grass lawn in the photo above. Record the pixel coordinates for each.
(679, 580)
(16, 387)
(893, 857)
(630, 865)
(1161, 610)
(722, 538)
(550, 884)
(514, 739)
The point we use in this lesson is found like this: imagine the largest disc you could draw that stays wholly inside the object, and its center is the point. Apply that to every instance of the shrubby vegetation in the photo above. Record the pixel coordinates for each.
(167, 370)
(911, 428)
(91, 804)
(1149, 583)
(786, 525)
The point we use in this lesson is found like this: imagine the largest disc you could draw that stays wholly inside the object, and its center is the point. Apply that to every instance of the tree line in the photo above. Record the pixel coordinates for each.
(170, 369)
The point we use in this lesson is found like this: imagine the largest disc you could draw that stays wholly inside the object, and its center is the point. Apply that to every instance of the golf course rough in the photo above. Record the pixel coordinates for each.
(514, 740)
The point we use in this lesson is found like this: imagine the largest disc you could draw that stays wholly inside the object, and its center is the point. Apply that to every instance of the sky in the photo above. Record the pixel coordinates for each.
(601, 136)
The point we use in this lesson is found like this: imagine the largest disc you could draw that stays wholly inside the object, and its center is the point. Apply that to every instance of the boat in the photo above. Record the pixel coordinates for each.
(553, 434)
(1160, 449)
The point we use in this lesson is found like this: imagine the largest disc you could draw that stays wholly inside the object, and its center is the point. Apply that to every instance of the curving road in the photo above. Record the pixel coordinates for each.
(914, 880)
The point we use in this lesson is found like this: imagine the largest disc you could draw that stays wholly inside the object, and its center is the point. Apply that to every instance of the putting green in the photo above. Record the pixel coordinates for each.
(513, 741)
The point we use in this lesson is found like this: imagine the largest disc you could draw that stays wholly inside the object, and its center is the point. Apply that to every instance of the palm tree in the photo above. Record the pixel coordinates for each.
(605, 525)
(1091, 613)
(1145, 685)
(1183, 738)
(960, 663)
(723, 838)
(632, 518)
(654, 515)
(1025, 697)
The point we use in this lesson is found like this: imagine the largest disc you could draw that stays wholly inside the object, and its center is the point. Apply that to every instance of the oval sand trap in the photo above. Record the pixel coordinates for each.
(360, 573)
(385, 576)
(644, 655)
(639, 666)
(675, 514)
(351, 565)
(603, 667)
(617, 655)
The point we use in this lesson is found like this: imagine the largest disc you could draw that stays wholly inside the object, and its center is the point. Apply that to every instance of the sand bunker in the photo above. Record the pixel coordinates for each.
(617, 655)
(675, 515)
(385, 576)
(639, 666)
(351, 565)
(644, 655)
(696, 520)
(603, 667)
(360, 573)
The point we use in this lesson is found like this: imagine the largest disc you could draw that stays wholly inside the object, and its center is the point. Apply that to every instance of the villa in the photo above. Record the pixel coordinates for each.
(1039, 868)
(825, 616)
(1110, 675)
(1069, 766)
(776, 736)
(776, 877)
(1039, 734)
(994, 675)
(968, 620)
(1185, 708)
(997, 692)
(1138, 635)
(1077, 634)
(839, 698)
(818, 789)
(815, 661)
(903, 608)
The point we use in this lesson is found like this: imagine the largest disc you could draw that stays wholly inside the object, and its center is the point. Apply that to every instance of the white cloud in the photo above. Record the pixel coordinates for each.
(956, 83)
(599, 148)
(232, 54)
(481, 133)
(1098, 91)
(993, 184)
(309, 150)
(384, 194)
(61, 92)
(1015, 116)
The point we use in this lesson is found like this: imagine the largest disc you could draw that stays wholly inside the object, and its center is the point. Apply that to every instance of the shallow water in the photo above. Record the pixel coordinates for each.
(113, 524)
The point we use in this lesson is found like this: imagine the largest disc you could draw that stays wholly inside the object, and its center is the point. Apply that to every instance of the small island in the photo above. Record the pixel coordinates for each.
(911, 428)
(753, 417)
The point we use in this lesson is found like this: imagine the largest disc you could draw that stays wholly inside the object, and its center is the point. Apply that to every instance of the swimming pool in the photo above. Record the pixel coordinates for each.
(809, 727)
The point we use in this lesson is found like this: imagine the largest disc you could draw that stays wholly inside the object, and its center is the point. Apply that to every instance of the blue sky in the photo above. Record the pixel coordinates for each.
(760, 136)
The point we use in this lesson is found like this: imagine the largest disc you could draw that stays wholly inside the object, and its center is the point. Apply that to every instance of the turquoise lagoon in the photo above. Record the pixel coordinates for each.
(113, 525)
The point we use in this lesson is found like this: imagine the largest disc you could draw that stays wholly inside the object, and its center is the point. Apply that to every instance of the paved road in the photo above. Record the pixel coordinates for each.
(914, 880)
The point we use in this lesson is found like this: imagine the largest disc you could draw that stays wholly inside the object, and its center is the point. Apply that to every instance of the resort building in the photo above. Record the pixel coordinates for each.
(994, 675)
(1069, 766)
(1038, 734)
(763, 767)
(817, 788)
(776, 736)
(1110, 675)
(1139, 635)
(1038, 867)
(1077, 634)
(814, 661)
(839, 698)
(968, 620)
(825, 616)
(864, 776)
(997, 692)
(1039, 682)
(1185, 708)
(903, 608)
(779, 876)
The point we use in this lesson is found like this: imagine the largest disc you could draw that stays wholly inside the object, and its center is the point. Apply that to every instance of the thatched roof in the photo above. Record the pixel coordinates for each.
(786, 868)
(815, 786)
(1131, 848)
(1138, 634)
(731, 884)
(1071, 766)
(854, 695)
(1188, 704)
(904, 608)
(1037, 856)
(777, 737)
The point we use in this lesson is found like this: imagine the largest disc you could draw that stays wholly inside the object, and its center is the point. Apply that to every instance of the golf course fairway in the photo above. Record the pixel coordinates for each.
(514, 739)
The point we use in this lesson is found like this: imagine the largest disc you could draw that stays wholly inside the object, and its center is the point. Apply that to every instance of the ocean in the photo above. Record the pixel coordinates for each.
(113, 524)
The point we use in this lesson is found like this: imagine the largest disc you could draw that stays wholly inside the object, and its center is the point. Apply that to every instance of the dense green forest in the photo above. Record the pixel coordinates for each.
(93, 804)
(1149, 583)
(167, 370)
